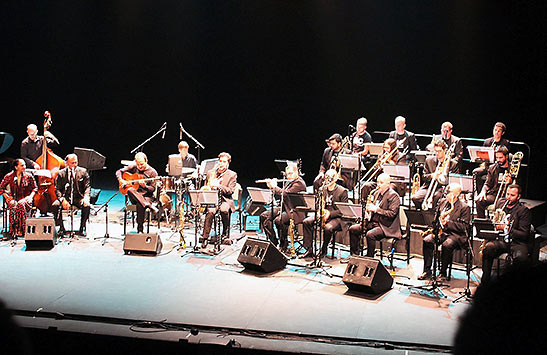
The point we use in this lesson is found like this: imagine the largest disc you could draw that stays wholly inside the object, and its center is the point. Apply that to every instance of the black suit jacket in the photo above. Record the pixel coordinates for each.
(457, 156)
(430, 166)
(228, 182)
(521, 217)
(82, 185)
(458, 221)
(387, 214)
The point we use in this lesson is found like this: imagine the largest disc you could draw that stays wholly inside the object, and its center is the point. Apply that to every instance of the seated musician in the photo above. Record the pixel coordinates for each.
(406, 140)
(332, 217)
(433, 172)
(454, 218)
(383, 220)
(329, 160)
(515, 226)
(72, 187)
(224, 181)
(496, 141)
(389, 147)
(294, 184)
(18, 188)
(187, 159)
(143, 196)
(31, 146)
(449, 139)
(494, 177)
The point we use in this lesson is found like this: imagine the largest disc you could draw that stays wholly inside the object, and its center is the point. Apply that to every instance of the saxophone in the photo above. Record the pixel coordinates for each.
(498, 217)
(415, 183)
(291, 236)
(182, 242)
(443, 215)
(371, 199)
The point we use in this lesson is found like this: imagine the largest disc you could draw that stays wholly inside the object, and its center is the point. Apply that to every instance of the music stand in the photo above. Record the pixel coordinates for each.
(349, 161)
(375, 148)
(6, 139)
(350, 210)
(479, 154)
(465, 181)
(257, 200)
(90, 159)
(200, 198)
(174, 165)
(400, 172)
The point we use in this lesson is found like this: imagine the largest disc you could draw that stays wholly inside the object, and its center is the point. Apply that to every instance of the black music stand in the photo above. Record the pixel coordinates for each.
(301, 202)
(201, 198)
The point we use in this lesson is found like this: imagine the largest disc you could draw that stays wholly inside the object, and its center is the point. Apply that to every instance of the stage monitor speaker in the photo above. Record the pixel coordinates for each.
(367, 275)
(261, 255)
(142, 244)
(40, 233)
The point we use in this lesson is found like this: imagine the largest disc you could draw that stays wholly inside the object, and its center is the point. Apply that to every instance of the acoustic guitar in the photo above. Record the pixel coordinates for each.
(133, 180)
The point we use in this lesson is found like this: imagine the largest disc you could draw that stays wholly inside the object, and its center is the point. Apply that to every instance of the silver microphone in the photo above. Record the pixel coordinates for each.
(164, 129)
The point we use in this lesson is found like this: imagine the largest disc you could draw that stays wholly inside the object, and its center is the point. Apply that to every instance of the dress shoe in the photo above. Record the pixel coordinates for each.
(425, 276)
(81, 233)
(307, 254)
(344, 260)
(204, 243)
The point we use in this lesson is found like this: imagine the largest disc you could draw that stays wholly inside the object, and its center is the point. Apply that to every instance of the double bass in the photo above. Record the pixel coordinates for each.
(45, 195)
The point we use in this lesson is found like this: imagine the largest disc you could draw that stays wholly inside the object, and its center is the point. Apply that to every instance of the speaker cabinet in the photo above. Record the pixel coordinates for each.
(142, 244)
(260, 255)
(40, 233)
(367, 275)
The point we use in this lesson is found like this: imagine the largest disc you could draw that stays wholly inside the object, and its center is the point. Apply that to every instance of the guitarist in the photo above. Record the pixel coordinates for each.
(143, 196)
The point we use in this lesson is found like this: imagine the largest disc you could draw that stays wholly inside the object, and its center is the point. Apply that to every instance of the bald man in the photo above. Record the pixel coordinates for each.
(31, 146)
(143, 196)
(455, 216)
(73, 188)
(384, 219)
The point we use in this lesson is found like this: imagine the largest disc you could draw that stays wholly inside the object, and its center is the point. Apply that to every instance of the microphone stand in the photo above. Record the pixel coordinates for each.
(161, 130)
(71, 204)
(466, 293)
(199, 146)
(105, 205)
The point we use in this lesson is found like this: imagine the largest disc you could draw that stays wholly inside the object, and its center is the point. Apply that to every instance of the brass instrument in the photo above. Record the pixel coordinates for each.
(498, 217)
(379, 165)
(512, 172)
(442, 169)
(442, 216)
(371, 199)
(415, 183)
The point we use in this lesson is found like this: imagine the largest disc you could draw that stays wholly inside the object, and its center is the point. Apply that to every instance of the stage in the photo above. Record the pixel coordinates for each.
(83, 286)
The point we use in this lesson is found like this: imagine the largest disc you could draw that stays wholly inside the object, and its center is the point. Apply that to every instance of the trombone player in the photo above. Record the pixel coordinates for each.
(330, 160)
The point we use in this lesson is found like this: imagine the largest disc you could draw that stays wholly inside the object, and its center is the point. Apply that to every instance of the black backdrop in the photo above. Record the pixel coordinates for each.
(270, 79)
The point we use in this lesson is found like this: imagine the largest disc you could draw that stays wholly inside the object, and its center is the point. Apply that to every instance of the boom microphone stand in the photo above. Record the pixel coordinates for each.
(105, 205)
(199, 146)
(161, 130)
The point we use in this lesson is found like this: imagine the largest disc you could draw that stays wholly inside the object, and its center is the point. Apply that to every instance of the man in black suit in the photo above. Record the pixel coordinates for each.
(224, 181)
(448, 138)
(294, 184)
(382, 218)
(72, 188)
(330, 154)
(406, 140)
(496, 141)
(430, 175)
(454, 218)
(143, 196)
(516, 227)
(332, 219)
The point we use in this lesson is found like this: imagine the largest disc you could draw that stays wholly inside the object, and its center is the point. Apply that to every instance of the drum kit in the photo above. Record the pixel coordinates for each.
(172, 192)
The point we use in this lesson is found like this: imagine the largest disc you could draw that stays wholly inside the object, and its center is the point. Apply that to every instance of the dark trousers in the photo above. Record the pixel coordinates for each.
(420, 195)
(331, 226)
(58, 213)
(224, 210)
(495, 248)
(141, 202)
(447, 250)
(281, 222)
(374, 233)
(482, 205)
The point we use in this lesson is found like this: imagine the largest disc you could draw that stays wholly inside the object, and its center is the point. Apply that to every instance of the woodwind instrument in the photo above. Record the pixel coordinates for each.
(371, 199)
(291, 236)
(442, 216)
(182, 241)
(415, 183)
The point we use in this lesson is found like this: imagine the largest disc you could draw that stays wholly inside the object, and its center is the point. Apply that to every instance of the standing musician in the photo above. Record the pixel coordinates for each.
(329, 160)
(360, 138)
(432, 174)
(516, 226)
(31, 146)
(449, 139)
(495, 174)
(224, 181)
(454, 218)
(143, 196)
(294, 184)
(405, 140)
(75, 179)
(331, 217)
(383, 220)
(390, 145)
(18, 188)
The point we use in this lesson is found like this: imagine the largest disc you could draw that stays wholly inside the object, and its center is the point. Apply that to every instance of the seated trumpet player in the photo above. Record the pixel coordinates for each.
(494, 181)
(224, 181)
(454, 218)
(330, 216)
(72, 187)
(294, 184)
(435, 177)
(18, 188)
(381, 217)
(330, 160)
(391, 155)
(514, 224)
(143, 195)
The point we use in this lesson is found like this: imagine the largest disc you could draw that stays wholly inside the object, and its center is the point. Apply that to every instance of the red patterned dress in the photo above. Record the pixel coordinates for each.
(18, 200)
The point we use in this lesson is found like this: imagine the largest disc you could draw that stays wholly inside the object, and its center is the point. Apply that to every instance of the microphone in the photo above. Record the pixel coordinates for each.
(352, 127)
(164, 129)
(180, 131)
